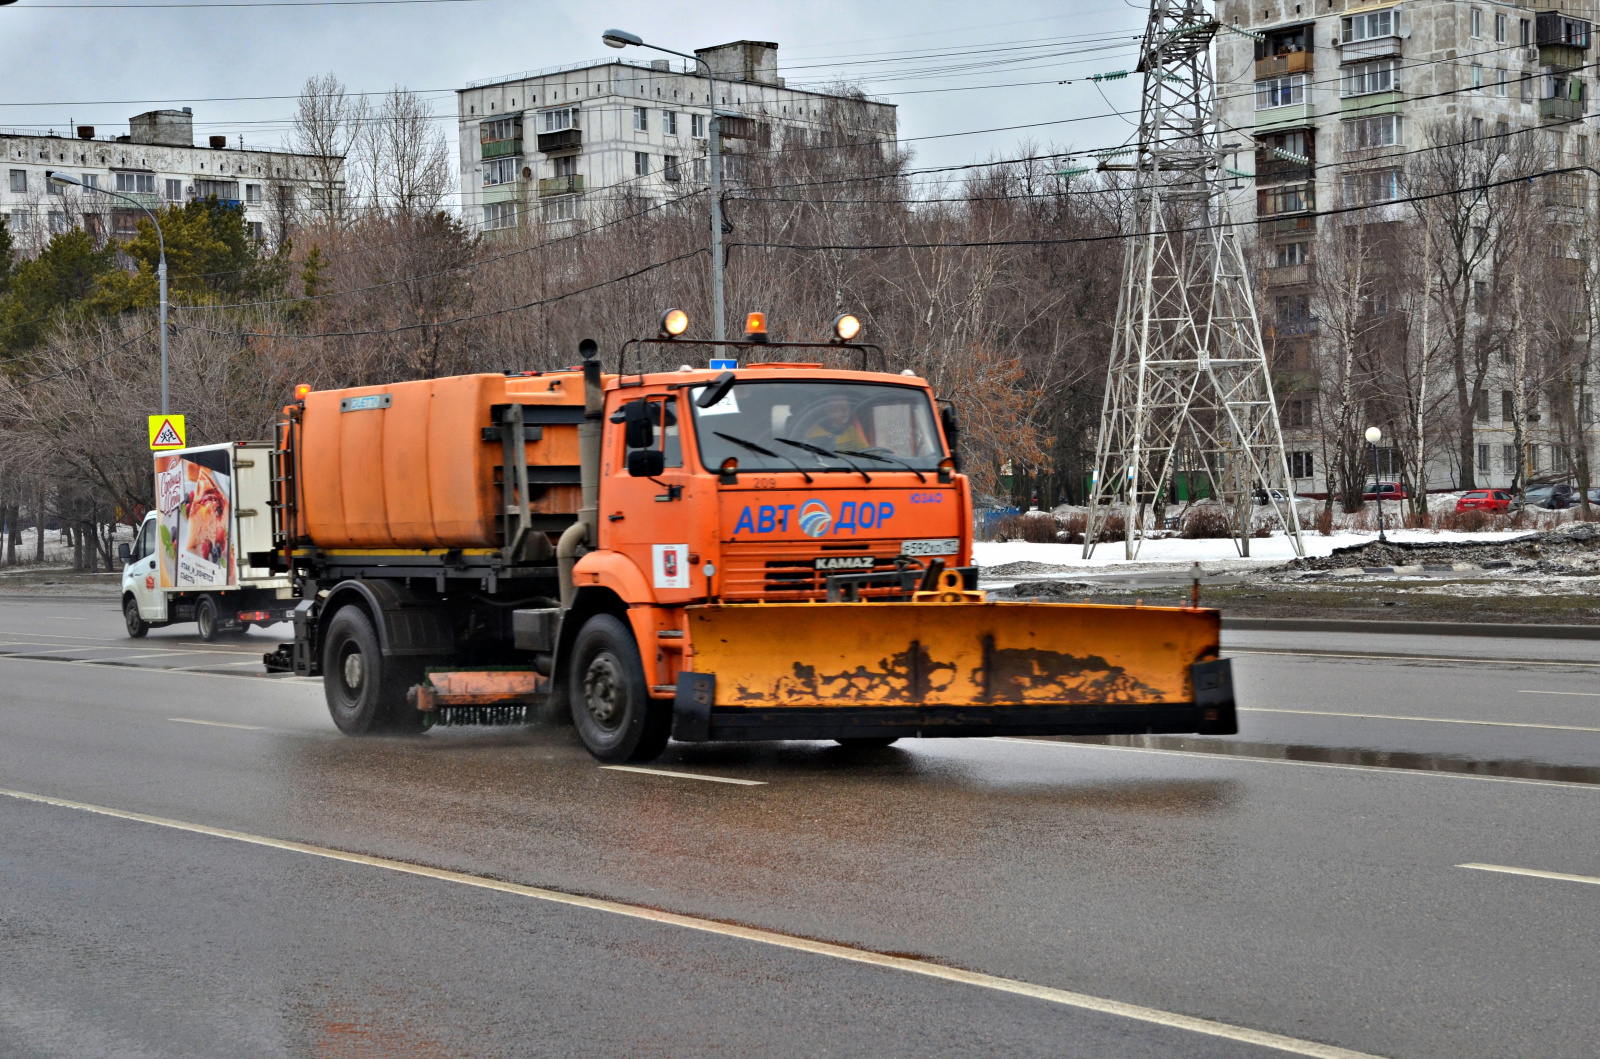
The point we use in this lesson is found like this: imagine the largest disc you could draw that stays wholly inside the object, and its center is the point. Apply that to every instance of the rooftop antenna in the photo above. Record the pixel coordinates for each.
(1188, 392)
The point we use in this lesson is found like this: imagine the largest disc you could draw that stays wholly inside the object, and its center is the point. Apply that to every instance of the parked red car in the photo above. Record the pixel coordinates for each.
(1391, 491)
(1486, 500)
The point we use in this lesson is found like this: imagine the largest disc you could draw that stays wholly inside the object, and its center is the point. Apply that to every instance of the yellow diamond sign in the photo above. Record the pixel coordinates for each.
(166, 432)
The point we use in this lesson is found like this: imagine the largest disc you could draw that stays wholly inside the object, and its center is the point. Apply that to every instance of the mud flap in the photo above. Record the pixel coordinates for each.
(1213, 695)
(691, 707)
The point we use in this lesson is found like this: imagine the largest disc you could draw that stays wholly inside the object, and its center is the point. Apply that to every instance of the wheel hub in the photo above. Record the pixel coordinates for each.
(602, 691)
(353, 670)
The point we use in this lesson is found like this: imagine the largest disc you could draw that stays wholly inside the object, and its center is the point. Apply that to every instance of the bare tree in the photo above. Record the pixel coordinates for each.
(327, 122)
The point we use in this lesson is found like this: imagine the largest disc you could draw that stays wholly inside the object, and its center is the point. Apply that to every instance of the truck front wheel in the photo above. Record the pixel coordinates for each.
(364, 690)
(137, 626)
(612, 709)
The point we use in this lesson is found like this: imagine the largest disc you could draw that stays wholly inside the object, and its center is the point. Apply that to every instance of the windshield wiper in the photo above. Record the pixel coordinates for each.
(886, 459)
(820, 451)
(753, 447)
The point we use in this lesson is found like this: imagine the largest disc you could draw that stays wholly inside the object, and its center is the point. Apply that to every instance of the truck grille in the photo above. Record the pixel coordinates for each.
(786, 572)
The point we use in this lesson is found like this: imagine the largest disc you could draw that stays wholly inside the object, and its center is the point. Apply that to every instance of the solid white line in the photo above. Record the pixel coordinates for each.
(218, 724)
(684, 775)
(1230, 651)
(1431, 720)
(904, 964)
(1253, 759)
(208, 671)
(1585, 694)
(1534, 873)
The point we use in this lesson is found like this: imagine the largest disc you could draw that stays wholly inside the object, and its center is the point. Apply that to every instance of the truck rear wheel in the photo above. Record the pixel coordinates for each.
(366, 692)
(611, 705)
(208, 618)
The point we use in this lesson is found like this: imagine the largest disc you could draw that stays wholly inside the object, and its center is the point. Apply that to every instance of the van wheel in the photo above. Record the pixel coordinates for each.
(366, 692)
(137, 626)
(207, 618)
(611, 705)
(868, 742)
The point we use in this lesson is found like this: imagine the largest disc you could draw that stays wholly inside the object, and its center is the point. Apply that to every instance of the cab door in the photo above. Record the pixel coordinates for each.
(648, 518)
(139, 575)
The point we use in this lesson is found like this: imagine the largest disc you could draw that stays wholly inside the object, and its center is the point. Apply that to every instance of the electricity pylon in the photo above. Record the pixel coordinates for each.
(1188, 390)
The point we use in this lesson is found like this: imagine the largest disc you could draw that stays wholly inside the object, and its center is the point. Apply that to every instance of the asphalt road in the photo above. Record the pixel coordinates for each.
(1320, 901)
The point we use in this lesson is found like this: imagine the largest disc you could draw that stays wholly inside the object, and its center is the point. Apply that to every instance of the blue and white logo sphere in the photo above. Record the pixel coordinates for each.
(815, 518)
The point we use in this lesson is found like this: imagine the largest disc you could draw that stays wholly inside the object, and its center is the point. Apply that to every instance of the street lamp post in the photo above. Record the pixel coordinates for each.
(62, 180)
(1373, 436)
(621, 38)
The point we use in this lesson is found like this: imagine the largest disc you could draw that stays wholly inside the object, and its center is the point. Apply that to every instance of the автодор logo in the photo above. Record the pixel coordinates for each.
(815, 518)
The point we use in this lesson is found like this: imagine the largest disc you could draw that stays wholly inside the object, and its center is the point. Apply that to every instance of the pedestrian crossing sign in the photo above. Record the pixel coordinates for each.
(166, 432)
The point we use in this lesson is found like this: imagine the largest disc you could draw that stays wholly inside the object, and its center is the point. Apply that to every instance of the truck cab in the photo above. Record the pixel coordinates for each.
(143, 602)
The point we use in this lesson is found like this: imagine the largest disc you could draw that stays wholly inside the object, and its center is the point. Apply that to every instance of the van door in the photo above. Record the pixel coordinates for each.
(140, 574)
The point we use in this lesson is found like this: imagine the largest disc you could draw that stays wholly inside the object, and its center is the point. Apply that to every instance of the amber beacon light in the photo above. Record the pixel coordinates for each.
(846, 327)
(301, 391)
(674, 322)
(755, 327)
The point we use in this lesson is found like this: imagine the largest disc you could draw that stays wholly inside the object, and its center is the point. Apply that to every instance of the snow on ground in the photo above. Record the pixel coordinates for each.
(1178, 552)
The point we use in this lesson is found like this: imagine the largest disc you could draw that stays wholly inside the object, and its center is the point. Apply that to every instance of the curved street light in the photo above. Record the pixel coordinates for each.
(62, 180)
(621, 38)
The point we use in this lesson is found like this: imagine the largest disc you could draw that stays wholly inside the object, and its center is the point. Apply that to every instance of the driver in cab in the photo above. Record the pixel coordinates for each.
(837, 426)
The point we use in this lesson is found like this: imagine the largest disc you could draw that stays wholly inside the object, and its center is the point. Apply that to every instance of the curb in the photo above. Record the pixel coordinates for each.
(48, 597)
(1413, 628)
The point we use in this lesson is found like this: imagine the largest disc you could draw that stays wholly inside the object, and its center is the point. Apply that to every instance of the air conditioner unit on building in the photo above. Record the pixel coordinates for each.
(1530, 54)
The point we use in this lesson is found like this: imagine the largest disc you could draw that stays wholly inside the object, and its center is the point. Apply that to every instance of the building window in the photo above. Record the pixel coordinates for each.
(1294, 314)
(90, 180)
(137, 183)
(258, 231)
(566, 165)
(1502, 87)
(641, 164)
(697, 126)
(1296, 415)
(500, 170)
(669, 122)
(1563, 85)
(1500, 29)
(1378, 185)
(1292, 254)
(58, 222)
(561, 208)
(1366, 133)
(700, 169)
(19, 181)
(1508, 406)
(558, 119)
(1501, 129)
(1475, 79)
(1527, 88)
(1480, 412)
(1368, 26)
(1300, 465)
(1533, 459)
(1477, 128)
(669, 168)
(1508, 459)
(641, 119)
(1483, 458)
(174, 191)
(1364, 78)
(498, 215)
(1291, 198)
(1527, 34)
(499, 129)
(1281, 92)
(19, 220)
(1477, 23)
(252, 193)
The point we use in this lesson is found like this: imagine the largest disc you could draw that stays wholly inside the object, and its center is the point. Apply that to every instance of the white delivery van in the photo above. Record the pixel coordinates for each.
(195, 554)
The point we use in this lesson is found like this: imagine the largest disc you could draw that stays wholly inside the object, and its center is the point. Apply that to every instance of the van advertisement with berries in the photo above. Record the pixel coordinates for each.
(194, 500)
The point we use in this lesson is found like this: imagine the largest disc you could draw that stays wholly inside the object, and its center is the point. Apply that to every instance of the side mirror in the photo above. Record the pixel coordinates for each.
(125, 553)
(952, 432)
(714, 393)
(646, 463)
(637, 428)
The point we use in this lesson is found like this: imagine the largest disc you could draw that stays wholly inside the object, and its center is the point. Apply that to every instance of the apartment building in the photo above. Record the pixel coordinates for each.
(537, 145)
(157, 163)
(1330, 100)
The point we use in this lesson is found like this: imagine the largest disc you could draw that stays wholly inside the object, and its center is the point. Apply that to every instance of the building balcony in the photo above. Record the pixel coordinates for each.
(565, 140)
(1288, 276)
(511, 191)
(1560, 109)
(1373, 103)
(1358, 51)
(1300, 115)
(1562, 56)
(502, 148)
(1295, 62)
(561, 185)
(1273, 170)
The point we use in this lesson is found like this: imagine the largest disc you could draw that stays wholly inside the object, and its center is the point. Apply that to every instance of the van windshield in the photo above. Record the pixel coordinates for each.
(805, 422)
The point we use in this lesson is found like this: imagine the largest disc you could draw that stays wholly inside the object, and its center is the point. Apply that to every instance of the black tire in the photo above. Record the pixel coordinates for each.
(208, 617)
(366, 692)
(876, 742)
(137, 626)
(611, 705)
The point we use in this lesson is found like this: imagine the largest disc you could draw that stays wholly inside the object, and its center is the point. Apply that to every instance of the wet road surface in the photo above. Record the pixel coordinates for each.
(1321, 902)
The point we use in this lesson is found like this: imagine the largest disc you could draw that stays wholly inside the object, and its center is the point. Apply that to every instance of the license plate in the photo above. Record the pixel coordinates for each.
(845, 562)
(946, 546)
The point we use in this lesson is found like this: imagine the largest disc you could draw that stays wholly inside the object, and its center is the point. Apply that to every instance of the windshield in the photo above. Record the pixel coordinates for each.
(776, 426)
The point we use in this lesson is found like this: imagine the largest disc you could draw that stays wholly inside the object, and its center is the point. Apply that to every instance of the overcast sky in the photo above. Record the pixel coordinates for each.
(951, 67)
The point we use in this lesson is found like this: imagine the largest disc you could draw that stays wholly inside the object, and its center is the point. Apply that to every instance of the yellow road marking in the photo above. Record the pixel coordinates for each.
(1559, 876)
(218, 724)
(684, 775)
(908, 965)
(1432, 720)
